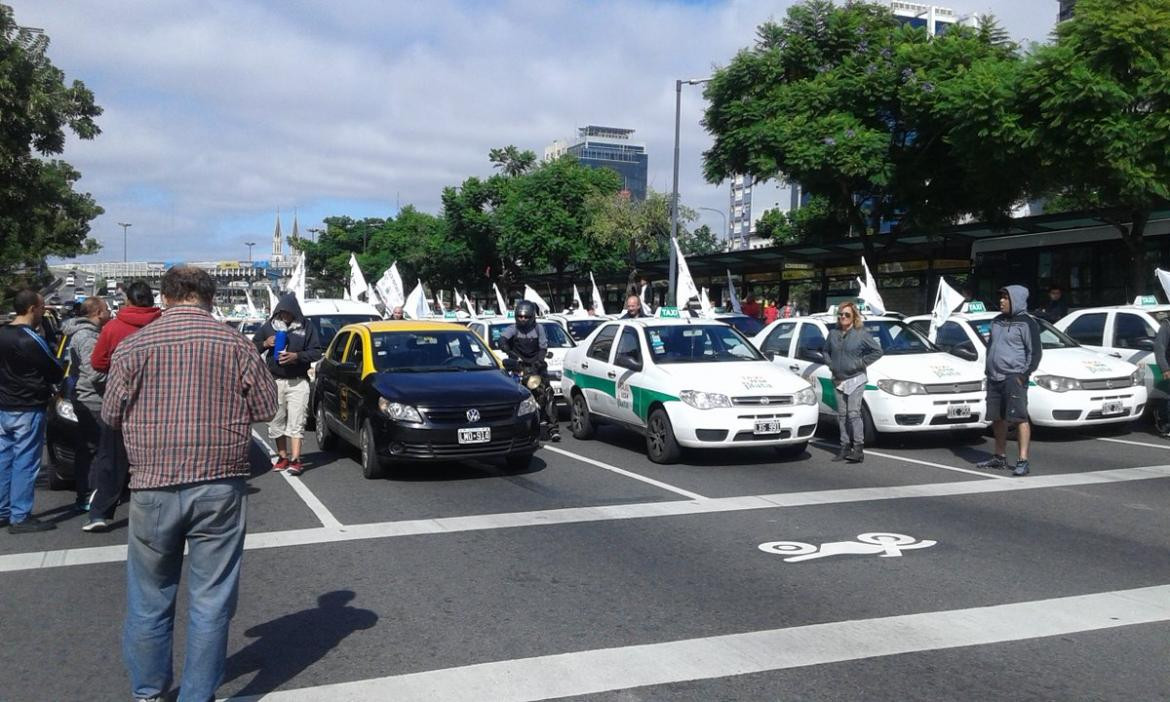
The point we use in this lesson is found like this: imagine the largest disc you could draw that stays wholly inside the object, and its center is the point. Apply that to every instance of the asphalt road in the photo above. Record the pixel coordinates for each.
(597, 575)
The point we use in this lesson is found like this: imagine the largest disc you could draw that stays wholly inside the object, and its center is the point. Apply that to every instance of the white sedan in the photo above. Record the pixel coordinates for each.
(914, 387)
(559, 343)
(1126, 332)
(1074, 386)
(686, 383)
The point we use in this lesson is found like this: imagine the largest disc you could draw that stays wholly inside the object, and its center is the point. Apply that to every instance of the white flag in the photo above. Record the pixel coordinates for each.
(533, 296)
(598, 302)
(869, 291)
(439, 302)
(416, 306)
(1164, 279)
(357, 281)
(577, 299)
(466, 302)
(643, 296)
(732, 296)
(705, 303)
(500, 300)
(296, 283)
(945, 302)
(390, 288)
(252, 311)
(272, 299)
(685, 283)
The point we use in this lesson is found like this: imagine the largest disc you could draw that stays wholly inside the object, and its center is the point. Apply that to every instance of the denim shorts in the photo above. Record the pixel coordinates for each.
(1007, 399)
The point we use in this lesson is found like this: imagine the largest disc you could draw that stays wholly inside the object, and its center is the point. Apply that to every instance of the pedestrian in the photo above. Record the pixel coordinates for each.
(750, 307)
(184, 391)
(88, 386)
(28, 373)
(771, 312)
(1162, 359)
(290, 365)
(849, 351)
(633, 308)
(1013, 354)
(1056, 308)
(110, 472)
(789, 311)
(398, 312)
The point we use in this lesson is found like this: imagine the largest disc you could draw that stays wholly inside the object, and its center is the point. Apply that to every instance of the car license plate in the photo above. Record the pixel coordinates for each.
(959, 412)
(557, 392)
(475, 436)
(767, 427)
(1111, 408)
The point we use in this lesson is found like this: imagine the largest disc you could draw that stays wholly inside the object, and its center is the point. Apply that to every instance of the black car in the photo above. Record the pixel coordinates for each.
(421, 391)
(62, 431)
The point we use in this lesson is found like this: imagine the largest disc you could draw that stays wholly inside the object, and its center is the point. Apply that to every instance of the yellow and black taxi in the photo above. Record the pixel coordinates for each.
(407, 391)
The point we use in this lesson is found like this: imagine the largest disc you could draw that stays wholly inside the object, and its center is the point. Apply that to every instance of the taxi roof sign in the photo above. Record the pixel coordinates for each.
(1145, 300)
(974, 306)
(450, 315)
(668, 312)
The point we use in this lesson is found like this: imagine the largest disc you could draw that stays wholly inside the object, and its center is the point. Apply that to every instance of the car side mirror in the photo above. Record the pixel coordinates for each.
(347, 367)
(628, 361)
(511, 365)
(1144, 343)
(964, 351)
(812, 355)
(769, 355)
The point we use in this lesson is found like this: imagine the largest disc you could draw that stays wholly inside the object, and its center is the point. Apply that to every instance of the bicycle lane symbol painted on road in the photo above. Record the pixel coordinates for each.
(872, 543)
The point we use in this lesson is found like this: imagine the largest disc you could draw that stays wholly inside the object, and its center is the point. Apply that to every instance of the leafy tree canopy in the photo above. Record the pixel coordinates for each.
(511, 161)
(627, 231)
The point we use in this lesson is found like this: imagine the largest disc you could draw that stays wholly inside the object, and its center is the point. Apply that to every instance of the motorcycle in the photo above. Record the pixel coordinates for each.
(532, 376)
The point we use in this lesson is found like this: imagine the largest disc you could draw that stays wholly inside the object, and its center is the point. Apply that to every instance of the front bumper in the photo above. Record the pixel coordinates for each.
(397, 441)
(735, 426)
(1080, 408)
(920, 413)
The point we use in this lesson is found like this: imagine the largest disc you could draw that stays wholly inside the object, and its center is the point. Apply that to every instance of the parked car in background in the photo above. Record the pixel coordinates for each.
(559, 343)
(578, 326)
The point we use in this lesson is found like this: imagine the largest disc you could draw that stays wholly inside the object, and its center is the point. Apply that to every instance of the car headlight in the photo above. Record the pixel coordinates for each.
(1057, 383)
(527, 406)
(1138, 377)
(65, 410)
(901, 388)
(704, 400)
(398, 411)
(805, 397)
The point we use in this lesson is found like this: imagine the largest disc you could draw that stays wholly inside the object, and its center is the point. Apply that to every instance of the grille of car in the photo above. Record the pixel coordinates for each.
(458, 415)
(1107, 383)
(495, 446)
(940, 388)
(762, 400)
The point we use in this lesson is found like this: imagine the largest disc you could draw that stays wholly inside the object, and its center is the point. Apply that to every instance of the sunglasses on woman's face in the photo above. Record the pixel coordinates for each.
(845, 315)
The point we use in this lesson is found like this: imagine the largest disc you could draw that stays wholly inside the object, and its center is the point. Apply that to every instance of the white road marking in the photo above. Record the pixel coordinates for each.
(885, 544)
(311, 501)
(605, 513)
(1164, 447)
(896, 457)
(622, 668)
(628, 474)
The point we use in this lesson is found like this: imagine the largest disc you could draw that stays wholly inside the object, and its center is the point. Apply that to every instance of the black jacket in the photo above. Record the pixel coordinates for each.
(303, 340)
(28, 369)
(848, 354)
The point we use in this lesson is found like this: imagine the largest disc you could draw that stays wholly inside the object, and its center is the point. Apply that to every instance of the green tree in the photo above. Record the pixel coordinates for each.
(40, 213)
(511, 161)
(846, 101)
(700, 242)
(635, 230)
(1099, 99)
(813, 222)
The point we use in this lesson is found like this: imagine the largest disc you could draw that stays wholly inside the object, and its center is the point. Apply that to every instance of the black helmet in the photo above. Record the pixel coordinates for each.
(525, 315)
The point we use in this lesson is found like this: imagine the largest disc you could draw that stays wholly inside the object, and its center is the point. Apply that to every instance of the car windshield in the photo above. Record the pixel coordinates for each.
(695, 343)
(1050, 336)
(749, 326)
(327, 325)
(555, 333)
(430, 351)
(897, 338)
(581, 328)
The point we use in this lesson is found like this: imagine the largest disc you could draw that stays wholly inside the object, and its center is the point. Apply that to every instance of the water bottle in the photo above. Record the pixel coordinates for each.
(281, 334)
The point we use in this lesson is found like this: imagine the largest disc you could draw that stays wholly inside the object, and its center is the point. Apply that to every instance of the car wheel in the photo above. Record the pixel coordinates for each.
(519, 462)
(580, 423)
(790, 451)
(372, 466)
(326, 439)
(869, 432)
(1161, 419)
(56, 482)
(661, 446)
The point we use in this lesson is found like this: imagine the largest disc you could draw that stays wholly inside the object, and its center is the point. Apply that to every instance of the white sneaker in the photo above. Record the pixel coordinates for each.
(95, 525)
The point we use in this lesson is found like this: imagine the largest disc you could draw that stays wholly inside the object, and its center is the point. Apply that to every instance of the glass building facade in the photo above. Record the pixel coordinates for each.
(610, 147)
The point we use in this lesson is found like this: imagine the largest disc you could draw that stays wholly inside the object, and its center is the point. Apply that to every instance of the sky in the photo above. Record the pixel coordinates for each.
(220, 113)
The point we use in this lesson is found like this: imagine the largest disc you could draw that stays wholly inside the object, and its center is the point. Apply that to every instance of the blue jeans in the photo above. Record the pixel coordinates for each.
(22, 437)
(209, 518)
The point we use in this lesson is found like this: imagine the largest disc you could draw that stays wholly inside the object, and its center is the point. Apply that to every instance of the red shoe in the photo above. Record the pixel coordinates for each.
(294, 467)
(280, 464)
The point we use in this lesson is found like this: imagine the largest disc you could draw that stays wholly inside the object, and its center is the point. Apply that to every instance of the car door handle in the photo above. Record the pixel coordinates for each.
(794, 368)
(1115, 355)
(611, 374)
(584, 365)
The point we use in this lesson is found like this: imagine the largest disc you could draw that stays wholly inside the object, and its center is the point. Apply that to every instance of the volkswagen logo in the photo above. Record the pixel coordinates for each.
(765, 401)
(956, 388)
(473, 415)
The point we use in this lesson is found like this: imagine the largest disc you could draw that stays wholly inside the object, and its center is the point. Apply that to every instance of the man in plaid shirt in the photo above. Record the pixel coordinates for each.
(185, 392)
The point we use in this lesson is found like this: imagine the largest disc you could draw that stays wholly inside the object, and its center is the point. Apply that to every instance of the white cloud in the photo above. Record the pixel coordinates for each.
(218, 113)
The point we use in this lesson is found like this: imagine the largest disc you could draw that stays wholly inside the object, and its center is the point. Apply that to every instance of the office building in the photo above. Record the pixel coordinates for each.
(934, 19)
(608, 147)
(749, 201)
(1066, 9)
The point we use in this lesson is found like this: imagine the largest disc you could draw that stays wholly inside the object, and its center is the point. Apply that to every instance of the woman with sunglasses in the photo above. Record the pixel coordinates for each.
(849, 350)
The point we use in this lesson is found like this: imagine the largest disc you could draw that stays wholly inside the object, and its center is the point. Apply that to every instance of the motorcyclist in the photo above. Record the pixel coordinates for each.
(525, 341)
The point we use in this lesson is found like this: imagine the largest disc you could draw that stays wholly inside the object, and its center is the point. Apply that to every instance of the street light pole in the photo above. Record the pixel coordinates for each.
(249, 244)
(726, 234)
(671, 292)
(124, 226)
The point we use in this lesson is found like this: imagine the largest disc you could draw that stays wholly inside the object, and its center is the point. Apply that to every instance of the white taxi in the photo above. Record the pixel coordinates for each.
(1073, 386)
(1126, 332)
(686, 383)
(913, 387)
(559, 343)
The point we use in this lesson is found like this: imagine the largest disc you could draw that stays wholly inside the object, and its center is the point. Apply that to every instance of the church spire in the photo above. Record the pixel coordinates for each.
(296, 233)
(277, 239)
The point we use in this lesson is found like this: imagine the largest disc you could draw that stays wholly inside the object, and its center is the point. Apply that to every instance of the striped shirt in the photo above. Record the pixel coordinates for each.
(185, 391)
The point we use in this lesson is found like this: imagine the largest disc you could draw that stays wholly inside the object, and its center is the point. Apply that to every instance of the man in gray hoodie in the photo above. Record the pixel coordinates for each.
(1013, 354)
(88, 386)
